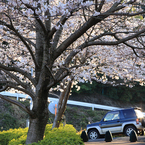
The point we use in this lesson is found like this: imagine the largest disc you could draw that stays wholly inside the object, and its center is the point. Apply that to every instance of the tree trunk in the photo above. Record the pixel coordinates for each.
(39, 120)
(36, 130)
(40, 104)
(62, 105)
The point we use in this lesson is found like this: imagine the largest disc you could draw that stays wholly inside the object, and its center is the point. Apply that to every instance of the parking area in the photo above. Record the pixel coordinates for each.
(117, 141)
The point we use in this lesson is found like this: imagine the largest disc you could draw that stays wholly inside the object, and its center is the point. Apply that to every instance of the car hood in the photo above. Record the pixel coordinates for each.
(93, 124)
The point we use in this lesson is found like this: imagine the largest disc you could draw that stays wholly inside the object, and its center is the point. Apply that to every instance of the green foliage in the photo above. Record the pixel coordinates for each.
(62, 135)
(8, 121)
(85, 88)
(19, 141)
(124, 94)
(11, 134)
(58, 136)
(11, 116)
(111, 92)
(120, 93)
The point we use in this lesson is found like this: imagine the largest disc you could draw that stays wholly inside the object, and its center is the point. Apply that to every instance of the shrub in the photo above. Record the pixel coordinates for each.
(19, 141)
(7, 136)
(62, 135)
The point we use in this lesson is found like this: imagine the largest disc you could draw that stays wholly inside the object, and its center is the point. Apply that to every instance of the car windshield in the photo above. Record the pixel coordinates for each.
(139, 113)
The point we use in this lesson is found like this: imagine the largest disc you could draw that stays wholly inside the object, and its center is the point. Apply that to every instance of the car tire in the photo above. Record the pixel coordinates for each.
(142, 133)
(128, 129)
(93, 134)
(143, 122)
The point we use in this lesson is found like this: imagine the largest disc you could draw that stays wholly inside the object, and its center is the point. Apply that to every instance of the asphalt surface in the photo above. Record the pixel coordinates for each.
(117, 141)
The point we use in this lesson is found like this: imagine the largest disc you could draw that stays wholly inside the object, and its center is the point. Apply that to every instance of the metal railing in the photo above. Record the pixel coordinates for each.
(69, 102)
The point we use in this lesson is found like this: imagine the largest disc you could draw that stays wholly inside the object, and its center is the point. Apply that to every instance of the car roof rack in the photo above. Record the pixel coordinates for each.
(138, 108)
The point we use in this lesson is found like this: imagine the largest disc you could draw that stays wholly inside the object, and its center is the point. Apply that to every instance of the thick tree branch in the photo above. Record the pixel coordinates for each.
(132, 47)
(4, 86)
(50, 73)
(53, 30)
(116, 42)
(61, 77)
(16, 79)
(15, 86)
(27, 39)
(10, 84)
(101, 5)
(36, 17)
(56, 38)
(23, 107)
(11, 27)
(92, 21)
(16, 69)
(126, 14)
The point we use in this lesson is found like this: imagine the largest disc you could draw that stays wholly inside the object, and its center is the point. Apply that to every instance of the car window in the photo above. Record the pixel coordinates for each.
(112, 116)
(129, 113)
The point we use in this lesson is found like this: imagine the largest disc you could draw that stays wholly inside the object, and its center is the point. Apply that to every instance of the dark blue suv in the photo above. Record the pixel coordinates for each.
(118, 121)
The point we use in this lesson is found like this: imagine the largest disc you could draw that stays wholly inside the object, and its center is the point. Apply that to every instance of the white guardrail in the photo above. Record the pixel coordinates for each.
(69, 102)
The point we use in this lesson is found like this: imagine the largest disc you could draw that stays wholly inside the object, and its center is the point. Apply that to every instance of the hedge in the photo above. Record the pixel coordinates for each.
(62, 135)
(12, 134)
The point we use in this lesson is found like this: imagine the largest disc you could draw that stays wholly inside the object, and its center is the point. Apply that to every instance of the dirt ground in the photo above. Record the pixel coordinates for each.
(118, 141)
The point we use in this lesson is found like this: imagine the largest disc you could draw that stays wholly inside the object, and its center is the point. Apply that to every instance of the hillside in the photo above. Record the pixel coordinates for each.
(103, 100)
(12, 116)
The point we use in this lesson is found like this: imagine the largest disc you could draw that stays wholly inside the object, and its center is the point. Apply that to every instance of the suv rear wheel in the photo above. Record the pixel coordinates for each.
(142, 132)
(143, 122)
(128, 129)
(93, 134)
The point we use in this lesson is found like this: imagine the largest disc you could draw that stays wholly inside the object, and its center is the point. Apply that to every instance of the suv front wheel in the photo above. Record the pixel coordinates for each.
(128, 129)
(93, 134)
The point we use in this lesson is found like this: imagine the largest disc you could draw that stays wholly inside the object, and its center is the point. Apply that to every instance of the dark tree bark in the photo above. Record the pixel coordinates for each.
(38, 122)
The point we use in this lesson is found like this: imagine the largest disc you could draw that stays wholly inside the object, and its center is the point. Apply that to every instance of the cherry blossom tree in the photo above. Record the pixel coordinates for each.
(66, 42)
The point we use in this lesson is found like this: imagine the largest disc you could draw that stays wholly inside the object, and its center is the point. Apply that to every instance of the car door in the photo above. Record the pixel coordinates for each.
(111, 122)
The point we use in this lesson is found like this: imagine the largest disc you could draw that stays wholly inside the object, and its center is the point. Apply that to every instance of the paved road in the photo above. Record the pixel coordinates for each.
(117, 141)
